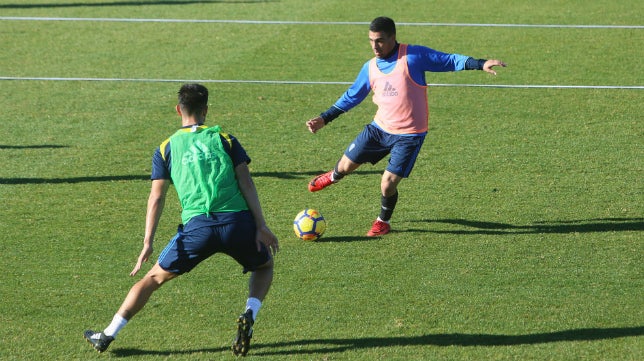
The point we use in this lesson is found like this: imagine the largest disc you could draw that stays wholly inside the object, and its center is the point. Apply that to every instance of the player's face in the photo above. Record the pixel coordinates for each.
(382, 44)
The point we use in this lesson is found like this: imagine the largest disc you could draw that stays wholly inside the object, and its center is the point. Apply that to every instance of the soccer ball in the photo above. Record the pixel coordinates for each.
(309, 225)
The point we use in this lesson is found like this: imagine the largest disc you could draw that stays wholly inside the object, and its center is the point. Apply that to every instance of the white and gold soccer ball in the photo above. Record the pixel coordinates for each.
(309, 225)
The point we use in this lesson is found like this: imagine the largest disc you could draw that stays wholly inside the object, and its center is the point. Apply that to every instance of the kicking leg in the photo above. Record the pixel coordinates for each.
(343, 167)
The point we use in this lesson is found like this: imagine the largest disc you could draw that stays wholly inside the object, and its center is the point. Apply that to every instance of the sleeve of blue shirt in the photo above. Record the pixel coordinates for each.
(357, 92)
(160, 167)
(237, 152)
(420, 59)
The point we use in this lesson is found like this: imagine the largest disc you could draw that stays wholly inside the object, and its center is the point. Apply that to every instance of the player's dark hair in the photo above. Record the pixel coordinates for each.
(193, 98)
(383, 24)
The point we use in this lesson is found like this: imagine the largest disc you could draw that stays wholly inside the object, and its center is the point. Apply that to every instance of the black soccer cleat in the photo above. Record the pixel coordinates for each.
(98, 340)
(244, 333)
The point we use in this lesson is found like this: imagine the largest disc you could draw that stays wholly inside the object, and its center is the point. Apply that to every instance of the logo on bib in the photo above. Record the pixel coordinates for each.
(389, 91)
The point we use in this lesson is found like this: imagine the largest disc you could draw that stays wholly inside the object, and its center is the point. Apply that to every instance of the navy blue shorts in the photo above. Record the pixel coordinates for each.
(202, 238)
(373, 144)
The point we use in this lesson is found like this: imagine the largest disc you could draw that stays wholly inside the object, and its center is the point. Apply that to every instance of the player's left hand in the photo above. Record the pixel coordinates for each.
(487, 67)
(266, 236)
(146, 252)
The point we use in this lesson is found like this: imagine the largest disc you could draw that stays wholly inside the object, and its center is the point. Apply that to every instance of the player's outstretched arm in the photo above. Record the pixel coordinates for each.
(489, 64)
(315, 124)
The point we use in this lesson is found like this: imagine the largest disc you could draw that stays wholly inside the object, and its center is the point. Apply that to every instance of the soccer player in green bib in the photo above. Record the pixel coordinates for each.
(221, 212)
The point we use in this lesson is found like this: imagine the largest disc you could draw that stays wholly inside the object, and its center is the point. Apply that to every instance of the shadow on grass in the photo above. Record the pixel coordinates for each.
(334, 345)
(73, 179)
(344, 239)
(572, 226)
(300, 175)
(129, 352)
(38, 146)
(35, 180)
(129, 3)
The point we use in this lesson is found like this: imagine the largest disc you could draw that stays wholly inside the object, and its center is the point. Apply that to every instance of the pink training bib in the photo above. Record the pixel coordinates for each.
(402, 103)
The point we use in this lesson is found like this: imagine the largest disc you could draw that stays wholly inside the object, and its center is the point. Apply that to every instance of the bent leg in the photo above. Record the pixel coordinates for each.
(261, 280)
(346, 165)
(343, 167)
(389, 195)
(388, 200)
(259, 284)
(142, 290)
(389, 183)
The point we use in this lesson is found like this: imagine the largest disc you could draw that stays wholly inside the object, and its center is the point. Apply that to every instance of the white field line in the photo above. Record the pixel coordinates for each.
(314, 23)
(516, 86)
(278, 22)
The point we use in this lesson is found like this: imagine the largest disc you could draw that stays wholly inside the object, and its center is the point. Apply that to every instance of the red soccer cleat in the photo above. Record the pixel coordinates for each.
(320, 182)
(379, 228)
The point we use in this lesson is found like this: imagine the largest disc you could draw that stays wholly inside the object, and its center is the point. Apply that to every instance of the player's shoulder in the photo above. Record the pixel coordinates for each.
(418, 49)
(164, 148)
(227, 138)
(164, 143)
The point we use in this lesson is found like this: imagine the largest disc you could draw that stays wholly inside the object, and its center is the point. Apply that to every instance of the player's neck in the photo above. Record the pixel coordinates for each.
(392, 52)
(191, 121)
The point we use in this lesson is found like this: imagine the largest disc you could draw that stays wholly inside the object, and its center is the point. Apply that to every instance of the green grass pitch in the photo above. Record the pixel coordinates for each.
(518, 236)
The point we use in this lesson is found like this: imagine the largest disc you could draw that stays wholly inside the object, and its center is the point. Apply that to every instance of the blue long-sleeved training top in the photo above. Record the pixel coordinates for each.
(420, 59)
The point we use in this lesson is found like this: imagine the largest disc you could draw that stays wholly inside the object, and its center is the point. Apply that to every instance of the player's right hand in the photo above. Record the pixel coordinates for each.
(315, 124)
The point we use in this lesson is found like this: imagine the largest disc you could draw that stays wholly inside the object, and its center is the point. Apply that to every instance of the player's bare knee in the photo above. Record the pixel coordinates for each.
(268, 266)
(159, 278)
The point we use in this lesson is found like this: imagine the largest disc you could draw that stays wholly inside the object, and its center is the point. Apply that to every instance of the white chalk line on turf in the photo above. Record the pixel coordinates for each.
(518, 86)
(278, 22)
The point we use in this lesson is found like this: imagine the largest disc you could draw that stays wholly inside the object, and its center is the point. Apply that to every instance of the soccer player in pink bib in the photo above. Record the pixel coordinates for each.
(396, 75)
